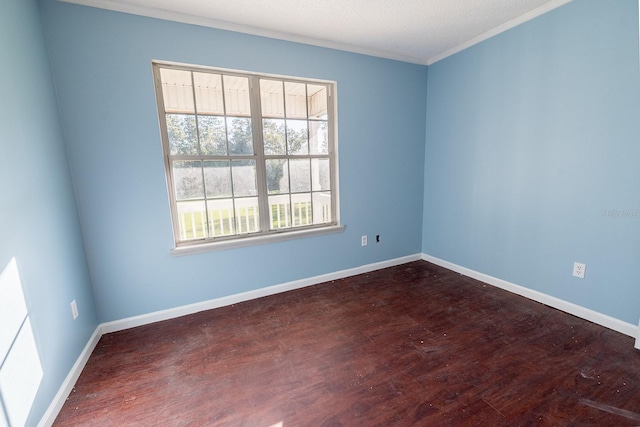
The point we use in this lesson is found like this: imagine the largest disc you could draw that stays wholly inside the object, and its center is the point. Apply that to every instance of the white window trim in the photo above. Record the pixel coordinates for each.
(254, 240)
(272, 236)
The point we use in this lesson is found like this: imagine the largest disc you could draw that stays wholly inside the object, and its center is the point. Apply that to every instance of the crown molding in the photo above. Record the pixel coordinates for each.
(296, 38)
(547, 7)
(239, 28)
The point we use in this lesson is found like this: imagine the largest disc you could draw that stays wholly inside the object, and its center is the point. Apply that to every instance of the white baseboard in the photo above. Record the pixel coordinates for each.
(557, 303)
(130, 322)
(184, 310)
(69, 382)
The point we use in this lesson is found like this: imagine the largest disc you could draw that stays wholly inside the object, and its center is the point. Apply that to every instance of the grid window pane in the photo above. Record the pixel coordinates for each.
(247, 215)
(295, 96)
(213, 135)
(187, 177)
(208, 89)
(271, 98)
(240, 136)
(221, 218)
(297, 137)
(274, 137)
(177, 91)
(319, 137)
(320, 175)
(301, 209)
(300, 175)
(277, 176)
(236, 96)
(244, 178)
(182, 134)
(192, 220)
(322, 208)
(217, 179)
(317, 99)
(279, 212)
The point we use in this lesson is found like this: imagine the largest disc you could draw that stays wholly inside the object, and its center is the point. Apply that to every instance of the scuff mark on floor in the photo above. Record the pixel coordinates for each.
(611, 409)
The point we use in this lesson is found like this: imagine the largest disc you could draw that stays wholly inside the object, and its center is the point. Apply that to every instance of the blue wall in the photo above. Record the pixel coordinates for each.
(530, 163)
(533, 153)
(101, 62)
(39, 225)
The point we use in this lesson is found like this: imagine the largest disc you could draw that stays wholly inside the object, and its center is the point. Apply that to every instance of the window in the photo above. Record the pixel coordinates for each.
(247, 156)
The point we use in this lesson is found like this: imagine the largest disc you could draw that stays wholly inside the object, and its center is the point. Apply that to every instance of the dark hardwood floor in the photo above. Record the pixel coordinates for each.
(409, 345)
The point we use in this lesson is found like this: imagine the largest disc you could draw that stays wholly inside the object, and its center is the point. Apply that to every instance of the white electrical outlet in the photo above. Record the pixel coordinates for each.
(578, 269)
(74, 309)
(364, 240)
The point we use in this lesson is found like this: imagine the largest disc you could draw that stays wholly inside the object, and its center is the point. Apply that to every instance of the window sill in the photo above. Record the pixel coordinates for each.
(254, 240)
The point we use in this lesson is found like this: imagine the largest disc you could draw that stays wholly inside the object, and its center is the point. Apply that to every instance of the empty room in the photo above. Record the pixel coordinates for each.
(319, 213)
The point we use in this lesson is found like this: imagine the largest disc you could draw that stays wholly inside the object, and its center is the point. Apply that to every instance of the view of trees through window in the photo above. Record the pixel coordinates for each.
(245, 154)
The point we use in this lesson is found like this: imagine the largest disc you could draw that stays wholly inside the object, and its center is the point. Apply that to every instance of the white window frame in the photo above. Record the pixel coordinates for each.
(265, 235)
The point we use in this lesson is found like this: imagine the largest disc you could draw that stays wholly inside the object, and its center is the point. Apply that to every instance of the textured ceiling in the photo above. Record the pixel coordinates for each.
(420, 31)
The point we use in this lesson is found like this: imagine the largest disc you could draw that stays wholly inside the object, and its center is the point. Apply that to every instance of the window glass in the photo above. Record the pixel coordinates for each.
(177, 91)
(208, 90)
(296, 100)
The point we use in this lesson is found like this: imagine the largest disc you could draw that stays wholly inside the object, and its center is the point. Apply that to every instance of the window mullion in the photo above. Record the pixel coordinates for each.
(306, 105)
(258, 149)
(228, 157)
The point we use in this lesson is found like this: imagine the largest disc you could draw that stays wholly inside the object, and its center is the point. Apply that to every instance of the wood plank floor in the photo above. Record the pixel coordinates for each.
(409, 345)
